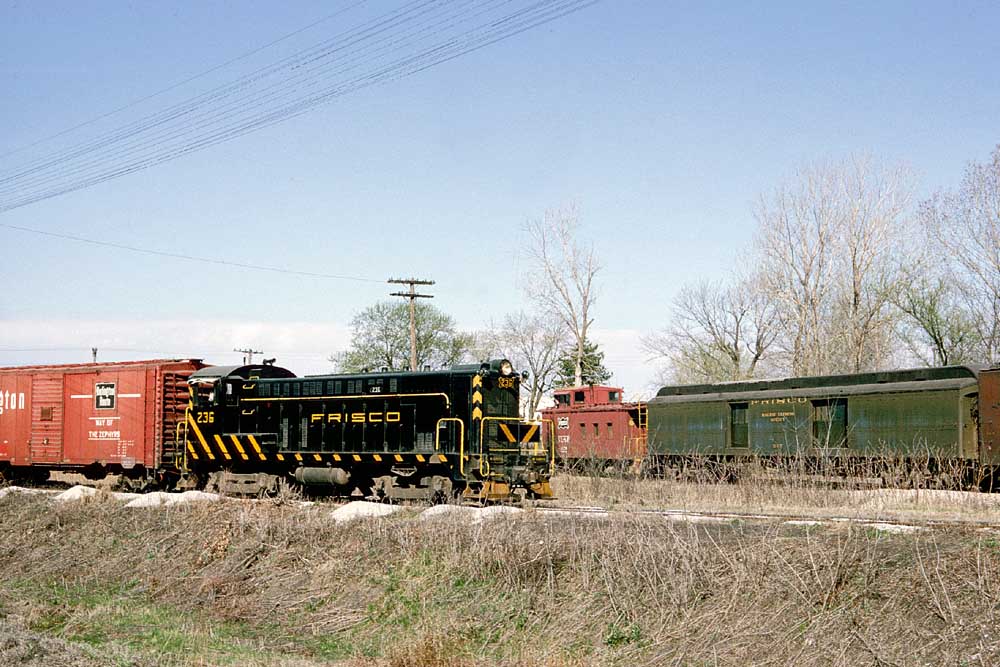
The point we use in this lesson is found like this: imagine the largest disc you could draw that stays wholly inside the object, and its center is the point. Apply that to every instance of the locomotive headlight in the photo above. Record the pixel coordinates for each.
(506, 368)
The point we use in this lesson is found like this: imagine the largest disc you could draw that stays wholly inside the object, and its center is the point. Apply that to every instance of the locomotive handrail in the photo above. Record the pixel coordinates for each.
(177, 435)
(552, 442)
(461, 440)
(337, 397)
(482, 436)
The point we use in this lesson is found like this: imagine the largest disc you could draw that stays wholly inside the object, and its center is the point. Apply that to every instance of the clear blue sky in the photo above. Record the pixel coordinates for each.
(663, 122)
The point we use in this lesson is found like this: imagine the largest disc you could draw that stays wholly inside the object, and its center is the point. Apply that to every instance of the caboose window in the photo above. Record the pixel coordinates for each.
(597, 430)
(578, 397)
(738, 428)
(562, 399)
(613, 397)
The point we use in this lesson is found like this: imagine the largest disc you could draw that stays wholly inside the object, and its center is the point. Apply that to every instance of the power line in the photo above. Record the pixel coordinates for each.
(183, 82)
(192, 258)
(365, 55)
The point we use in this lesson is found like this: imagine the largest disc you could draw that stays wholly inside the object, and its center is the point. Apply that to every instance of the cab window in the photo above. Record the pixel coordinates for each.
(204, 393)
(562, 399)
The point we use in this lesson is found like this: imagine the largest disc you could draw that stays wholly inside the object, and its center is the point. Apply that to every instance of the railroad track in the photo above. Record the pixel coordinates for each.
(708, 516)
(890, 524)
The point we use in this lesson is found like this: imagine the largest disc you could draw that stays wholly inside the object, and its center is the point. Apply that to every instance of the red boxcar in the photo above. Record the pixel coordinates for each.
(593, 425)
(94, 418)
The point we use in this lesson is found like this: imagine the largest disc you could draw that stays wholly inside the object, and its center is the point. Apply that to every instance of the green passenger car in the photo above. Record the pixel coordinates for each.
(920, 412)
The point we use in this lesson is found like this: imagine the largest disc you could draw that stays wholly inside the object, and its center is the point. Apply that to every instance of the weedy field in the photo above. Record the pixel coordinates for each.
(273, 584)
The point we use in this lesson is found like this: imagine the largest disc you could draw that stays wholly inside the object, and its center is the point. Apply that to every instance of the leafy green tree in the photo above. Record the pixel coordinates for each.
(380, 338)
(594, 371)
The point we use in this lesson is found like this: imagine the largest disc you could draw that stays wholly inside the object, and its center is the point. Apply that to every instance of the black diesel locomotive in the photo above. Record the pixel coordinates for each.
(393, 435)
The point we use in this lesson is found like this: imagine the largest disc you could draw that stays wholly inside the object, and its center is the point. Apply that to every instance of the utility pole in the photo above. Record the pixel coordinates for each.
(412, 296)
(248, 355)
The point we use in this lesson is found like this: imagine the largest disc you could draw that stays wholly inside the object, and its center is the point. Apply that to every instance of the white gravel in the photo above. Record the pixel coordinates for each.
(448, 513)
(695, 518)
(467, 515)
(803, 522)
(362, 509)
(159, 498)
(894, 528)
(494, 512)
(76, 493)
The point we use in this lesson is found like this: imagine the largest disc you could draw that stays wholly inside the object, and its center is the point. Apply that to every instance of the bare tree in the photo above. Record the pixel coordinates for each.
(718, 332)
(562, 275)
(937, 328)
(828, 246)
(874, 200)
(532, 342)
(966, 224)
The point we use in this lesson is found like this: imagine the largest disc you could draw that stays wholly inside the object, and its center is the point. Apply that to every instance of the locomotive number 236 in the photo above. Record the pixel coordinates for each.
(206, 418)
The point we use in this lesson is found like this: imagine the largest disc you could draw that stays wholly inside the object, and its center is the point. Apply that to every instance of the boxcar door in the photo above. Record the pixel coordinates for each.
(46, 444)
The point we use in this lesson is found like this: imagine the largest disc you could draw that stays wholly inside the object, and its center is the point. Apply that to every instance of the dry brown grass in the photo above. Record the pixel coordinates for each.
(259, 584)
(787, 489)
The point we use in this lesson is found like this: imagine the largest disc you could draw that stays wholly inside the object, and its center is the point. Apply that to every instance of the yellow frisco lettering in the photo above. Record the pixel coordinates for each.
(355, 417)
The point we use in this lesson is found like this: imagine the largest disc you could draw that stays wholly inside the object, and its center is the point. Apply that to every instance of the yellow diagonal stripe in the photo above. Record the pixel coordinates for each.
(420, 457)
(280, 457)
(194, 454)
(317, 457)
(298, 457)
(506, 432)
(398, 457)
(256, 447)
(442, 458)
(376, 457)
(531, 432)
(201, 438)
(239, 447)
(222, 447)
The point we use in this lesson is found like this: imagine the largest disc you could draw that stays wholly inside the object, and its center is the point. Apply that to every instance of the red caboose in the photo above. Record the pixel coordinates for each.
(92, 418)
(594, 427)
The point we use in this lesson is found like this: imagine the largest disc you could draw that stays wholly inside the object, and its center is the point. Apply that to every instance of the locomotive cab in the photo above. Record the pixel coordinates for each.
(510, 449)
